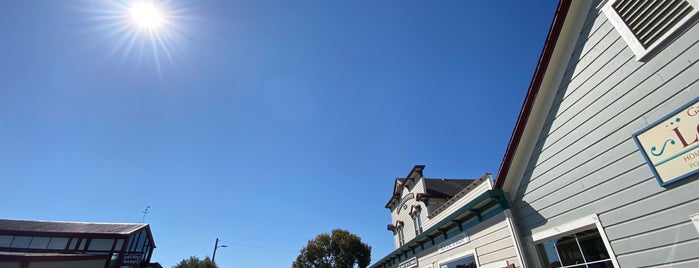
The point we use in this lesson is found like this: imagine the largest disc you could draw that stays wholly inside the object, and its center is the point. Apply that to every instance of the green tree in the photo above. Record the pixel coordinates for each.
(340, 249)
(195, 262)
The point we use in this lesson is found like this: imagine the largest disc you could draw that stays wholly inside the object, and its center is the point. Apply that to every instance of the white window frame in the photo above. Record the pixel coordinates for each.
(695, 220)
(629, 37)
(582, 224)
(459, 256)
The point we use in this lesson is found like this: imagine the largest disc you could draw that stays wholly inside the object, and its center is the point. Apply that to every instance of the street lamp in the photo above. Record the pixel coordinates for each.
(216, 246)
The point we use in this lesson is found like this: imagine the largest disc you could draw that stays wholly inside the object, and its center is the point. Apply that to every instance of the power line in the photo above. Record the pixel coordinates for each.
(254, 246)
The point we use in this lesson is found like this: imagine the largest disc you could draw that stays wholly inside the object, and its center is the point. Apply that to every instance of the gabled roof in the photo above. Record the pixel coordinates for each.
(530, 103)
(399, 182)
(57, 227)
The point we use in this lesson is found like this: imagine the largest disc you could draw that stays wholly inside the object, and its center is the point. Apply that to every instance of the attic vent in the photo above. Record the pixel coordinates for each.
(647, 23)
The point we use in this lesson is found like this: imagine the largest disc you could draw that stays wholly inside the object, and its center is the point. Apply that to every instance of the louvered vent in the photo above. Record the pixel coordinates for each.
(649, 20)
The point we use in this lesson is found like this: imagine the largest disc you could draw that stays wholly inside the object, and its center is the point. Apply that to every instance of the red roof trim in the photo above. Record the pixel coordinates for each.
(550, 44)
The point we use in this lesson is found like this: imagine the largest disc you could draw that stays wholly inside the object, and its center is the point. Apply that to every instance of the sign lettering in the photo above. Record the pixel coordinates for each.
(671, 145)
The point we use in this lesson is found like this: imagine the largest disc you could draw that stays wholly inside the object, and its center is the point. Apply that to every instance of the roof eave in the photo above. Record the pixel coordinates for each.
(534, 87)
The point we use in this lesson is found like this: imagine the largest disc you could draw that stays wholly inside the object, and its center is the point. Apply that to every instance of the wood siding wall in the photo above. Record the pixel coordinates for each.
(491, 241)
(585, 161)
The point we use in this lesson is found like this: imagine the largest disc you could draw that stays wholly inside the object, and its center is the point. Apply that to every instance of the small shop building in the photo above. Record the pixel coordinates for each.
(449, 223)
(602, 169)
(28, 243)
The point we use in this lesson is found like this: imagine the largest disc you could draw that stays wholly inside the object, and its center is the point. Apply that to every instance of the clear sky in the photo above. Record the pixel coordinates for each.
(260, 122)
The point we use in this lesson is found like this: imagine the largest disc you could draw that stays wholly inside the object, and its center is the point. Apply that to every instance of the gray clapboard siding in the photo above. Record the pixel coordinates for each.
(607, 72)
(577, 88)
(683, 264)
(646, 71)
(664, 203)
(638, 124)
(667, 235)
(572, 171)
(627, 106)
(586, 64)
(675, 253)
(595, 186)
(596, 30)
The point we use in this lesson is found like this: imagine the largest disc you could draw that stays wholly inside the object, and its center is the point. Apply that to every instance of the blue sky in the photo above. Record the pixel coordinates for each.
(263, 123)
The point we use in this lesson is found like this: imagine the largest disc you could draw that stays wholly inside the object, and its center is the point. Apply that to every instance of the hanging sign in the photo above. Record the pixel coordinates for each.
(671, 145)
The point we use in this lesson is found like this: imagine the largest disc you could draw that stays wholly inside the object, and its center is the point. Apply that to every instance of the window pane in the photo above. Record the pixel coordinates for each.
(101, 244)
(465, 262)
(119, 243)
(583, 249)
(569, 251)
(73, 243)
(606, 264)
(6, 240)
(592, 246)
(21, 242)
(39, 242)
(82, 244)
(141, 240)
(58, 243)
(548, 255)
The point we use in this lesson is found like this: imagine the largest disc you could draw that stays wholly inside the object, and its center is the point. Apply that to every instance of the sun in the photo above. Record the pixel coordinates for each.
(150, 33)
(146, 15)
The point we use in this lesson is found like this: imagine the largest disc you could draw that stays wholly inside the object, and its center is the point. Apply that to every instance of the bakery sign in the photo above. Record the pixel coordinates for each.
(671, 145)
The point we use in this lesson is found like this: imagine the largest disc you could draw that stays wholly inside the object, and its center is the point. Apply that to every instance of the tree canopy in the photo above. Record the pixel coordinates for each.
(195, 262)
(340, 249)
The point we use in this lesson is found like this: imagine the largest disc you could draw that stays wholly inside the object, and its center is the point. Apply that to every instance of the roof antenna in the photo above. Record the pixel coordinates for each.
(144, 213)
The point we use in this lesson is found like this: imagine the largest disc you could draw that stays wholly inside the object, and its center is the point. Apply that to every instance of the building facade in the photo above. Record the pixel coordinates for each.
(601, 169)
(449, 223)
(26, 244)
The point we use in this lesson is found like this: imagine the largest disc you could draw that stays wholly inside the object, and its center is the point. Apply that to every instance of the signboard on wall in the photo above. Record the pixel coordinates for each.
(132, 258)
(671, 145)
(410, 263)
(454, 242)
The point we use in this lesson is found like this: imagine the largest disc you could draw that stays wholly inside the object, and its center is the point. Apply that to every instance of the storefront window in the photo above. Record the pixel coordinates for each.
(463, 262)
(583, 249)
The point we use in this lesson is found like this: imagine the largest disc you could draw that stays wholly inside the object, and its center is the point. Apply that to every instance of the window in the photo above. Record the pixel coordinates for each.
(582, 249)
(468, 261)
(101, 244)
(58, 243)
(39, 242)
(21, 242)
(417, 222)
(401, 236)
(6, 240)
(645, 25)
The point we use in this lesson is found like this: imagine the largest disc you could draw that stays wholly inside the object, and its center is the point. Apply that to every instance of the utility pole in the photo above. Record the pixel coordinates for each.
(216, 246)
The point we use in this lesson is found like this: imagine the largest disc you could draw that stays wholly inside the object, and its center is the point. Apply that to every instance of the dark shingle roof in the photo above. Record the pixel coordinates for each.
(446, 187)
(68, 227)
